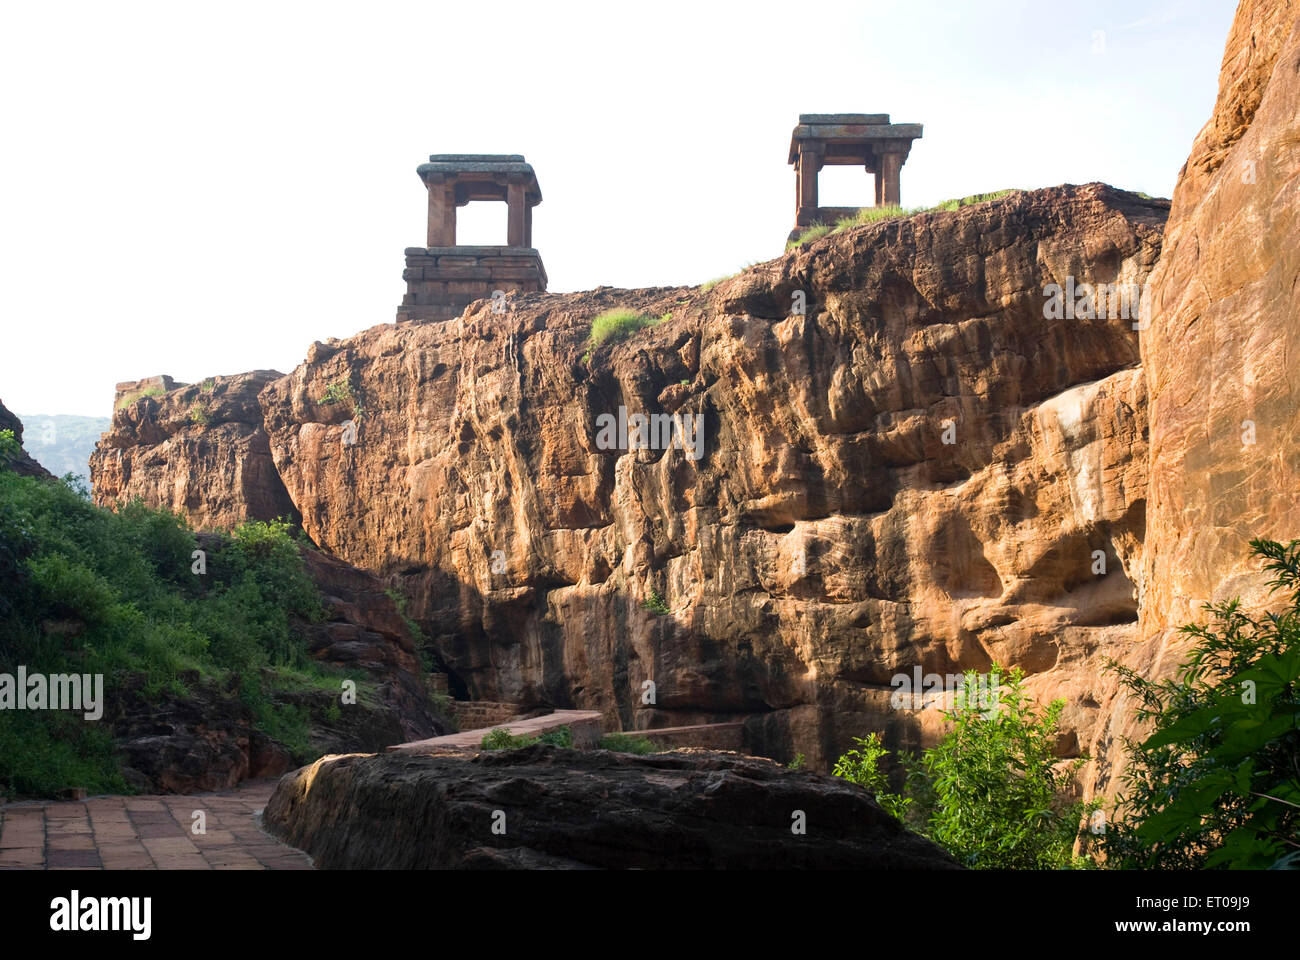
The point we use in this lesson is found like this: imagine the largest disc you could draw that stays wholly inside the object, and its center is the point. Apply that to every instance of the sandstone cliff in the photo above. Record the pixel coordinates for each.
(922, 470)
(1225, 332)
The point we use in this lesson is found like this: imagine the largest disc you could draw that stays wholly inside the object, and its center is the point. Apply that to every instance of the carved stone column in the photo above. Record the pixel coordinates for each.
(442, 212)
(810, 164)
(517, 218)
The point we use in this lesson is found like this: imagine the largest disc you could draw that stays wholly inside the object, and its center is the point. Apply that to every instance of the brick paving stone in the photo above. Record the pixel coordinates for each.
(73, 841)
(144, 833)
(73, 858)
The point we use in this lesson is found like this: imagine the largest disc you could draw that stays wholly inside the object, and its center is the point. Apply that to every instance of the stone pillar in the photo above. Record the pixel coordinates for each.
(888, 190)
(517, 222)
(442, 212)
(810, 164)
(880, 181)
(528, 225)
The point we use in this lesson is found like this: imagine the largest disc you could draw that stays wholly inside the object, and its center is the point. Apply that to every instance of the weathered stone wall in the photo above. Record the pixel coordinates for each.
(442, 281)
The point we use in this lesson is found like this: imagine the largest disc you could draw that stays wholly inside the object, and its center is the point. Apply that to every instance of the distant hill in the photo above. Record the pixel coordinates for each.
(62, 443)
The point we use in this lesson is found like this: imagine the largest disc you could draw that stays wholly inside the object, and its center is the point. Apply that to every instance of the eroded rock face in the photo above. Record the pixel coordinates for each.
(198, 449)
(1220, 357)
(921, 470)
(566, 809)
(826, 540)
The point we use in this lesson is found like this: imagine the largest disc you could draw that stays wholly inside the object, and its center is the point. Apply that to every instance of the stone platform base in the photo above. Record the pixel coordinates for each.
(442, 281)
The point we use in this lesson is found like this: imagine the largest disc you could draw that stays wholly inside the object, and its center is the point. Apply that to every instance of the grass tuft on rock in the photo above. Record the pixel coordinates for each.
(615, 325)
(872, 214)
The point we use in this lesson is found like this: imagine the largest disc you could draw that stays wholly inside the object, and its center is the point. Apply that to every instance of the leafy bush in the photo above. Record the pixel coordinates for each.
(991, 792)
(656, 603)
(122, 588)
(10, 448)
(1217, 782)
(615, 325)
(627, 743)
(559, 737)
(861, 765)
(337, 391)
(503, 739)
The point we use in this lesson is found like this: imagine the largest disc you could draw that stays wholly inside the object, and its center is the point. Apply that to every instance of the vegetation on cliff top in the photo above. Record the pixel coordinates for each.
(615, 325)
(871, 214)
(131, 398)
(85, 590)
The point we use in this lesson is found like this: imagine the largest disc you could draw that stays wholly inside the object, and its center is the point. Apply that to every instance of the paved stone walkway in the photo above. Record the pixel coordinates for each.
(145, 833)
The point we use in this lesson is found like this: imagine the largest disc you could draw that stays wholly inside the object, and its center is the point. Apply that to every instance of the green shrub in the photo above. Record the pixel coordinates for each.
(338, 391)
(615, 325)
(796, 763)
(1217, 782)
(503, 739)
(628, 743)
(991, 791)
(199, 414)
(656, 603)
(135, 612)
(10, 448)
(559, 737)
(861, 765)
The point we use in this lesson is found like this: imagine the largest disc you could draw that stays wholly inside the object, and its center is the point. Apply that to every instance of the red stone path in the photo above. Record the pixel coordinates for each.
(145, 833)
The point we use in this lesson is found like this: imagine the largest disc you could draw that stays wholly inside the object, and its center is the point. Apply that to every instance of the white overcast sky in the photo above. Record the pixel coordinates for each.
(200, 189)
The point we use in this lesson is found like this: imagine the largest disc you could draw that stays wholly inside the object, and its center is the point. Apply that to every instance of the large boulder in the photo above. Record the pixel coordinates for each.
(544, 807)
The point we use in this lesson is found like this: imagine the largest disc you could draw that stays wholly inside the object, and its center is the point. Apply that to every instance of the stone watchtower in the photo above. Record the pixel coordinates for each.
(868, 139)
(443, 278)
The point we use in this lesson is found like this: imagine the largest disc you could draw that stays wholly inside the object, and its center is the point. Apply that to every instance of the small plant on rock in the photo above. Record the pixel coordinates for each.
(627, 743)
(615, 325)
(656, 603)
